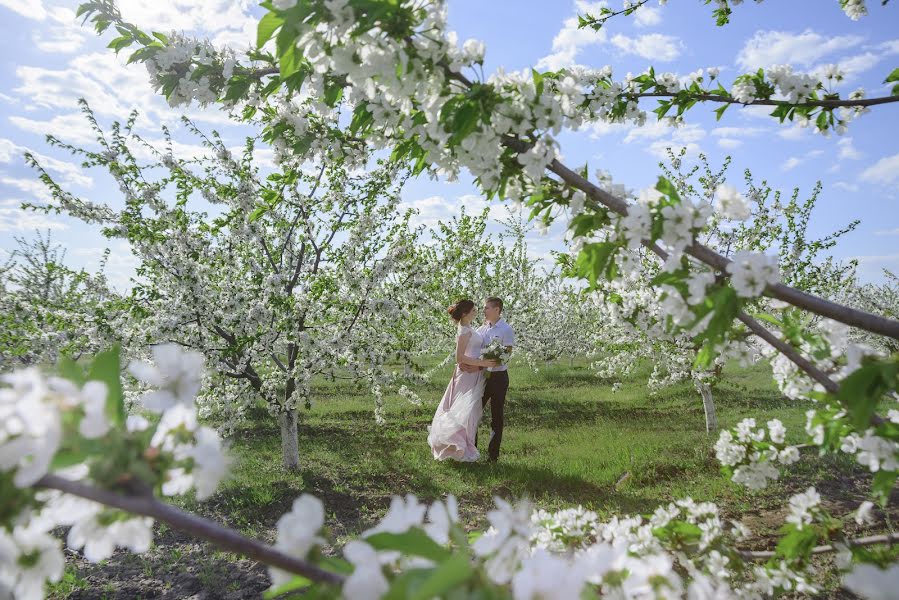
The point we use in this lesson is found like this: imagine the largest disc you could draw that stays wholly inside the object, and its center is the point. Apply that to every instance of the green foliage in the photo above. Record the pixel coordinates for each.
(862, 391)
(413, 542)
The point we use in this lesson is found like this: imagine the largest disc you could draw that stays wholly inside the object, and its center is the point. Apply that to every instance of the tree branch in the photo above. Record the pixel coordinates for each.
(798, 298)
(221, 536)
(809, 104)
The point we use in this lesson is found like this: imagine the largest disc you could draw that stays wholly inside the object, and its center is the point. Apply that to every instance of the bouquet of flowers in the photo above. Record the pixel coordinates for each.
(495, 350)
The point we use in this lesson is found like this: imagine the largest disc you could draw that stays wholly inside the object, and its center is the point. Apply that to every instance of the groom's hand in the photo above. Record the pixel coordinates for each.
(469, 368)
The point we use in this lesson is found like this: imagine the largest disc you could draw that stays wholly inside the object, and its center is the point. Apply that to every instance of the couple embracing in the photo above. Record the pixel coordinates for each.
(477, 379)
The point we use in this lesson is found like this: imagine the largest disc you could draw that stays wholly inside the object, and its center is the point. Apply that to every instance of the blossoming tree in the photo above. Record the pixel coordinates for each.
(643, 322)
(297, 273)
(49, 310)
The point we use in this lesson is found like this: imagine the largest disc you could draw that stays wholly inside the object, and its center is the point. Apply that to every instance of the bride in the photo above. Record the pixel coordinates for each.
(452, 432)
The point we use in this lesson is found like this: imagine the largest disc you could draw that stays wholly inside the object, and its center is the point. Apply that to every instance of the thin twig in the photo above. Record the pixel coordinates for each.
(862, 541)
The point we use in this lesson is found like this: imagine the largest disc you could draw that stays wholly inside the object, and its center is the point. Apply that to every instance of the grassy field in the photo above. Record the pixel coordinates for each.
(569, 439)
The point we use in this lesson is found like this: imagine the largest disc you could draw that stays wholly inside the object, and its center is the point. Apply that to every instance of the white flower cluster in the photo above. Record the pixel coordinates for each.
(751, 457)
(34, 411)
(731, 204)
(795, 86)
(803, 508)
(752, 272)
(854, 9)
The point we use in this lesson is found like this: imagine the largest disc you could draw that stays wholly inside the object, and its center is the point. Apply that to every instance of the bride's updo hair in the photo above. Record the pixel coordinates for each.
(460, 309)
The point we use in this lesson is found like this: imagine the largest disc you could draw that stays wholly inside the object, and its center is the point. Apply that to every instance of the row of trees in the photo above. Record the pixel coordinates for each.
(278, 277)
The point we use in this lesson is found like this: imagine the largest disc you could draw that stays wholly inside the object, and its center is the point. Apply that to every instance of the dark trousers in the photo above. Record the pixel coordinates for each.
(495, 392)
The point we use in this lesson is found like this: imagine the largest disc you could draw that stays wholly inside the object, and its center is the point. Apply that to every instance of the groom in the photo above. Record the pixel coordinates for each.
(497, 383)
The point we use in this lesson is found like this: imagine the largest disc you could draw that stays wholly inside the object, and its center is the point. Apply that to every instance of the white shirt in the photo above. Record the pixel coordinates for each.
(499, 330)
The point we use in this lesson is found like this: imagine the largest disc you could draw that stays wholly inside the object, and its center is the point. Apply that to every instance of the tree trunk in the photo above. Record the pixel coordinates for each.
(708, 405)
(290, 451)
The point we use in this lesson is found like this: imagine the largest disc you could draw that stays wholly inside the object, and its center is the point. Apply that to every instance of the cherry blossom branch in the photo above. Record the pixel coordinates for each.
(855, 543)
(761, 102)
(798, 298)
(786, 349)
(222, 537)
(820, 306)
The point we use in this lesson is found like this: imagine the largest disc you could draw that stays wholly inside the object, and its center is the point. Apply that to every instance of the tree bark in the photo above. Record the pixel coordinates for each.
(708, 405)
(290, 451)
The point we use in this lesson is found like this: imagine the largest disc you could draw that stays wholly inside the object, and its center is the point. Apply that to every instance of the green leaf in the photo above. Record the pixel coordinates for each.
(143, 54)
(237, 89)
(120, 42)
(592, 260)
(415, 542)
(298, 582)
(268, 24)
(107, 368)
(798, 542)
(450, 573)
(69, 369)
(679, 530)
(538, 81)
(894, 76)
(289, 61)
(333, 93)
(256, 214)
(862, 390)
(667, 188)
(882, 485)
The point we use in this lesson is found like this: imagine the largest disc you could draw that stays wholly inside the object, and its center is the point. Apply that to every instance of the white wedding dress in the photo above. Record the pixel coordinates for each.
(455, 424)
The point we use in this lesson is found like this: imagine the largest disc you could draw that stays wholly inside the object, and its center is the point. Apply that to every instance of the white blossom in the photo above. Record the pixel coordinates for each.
(752, 272)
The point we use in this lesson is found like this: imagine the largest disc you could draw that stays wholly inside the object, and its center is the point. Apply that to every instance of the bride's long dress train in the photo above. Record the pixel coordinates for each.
(455, 424)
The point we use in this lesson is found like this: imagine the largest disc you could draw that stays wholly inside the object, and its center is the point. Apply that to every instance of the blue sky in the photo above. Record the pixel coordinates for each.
(49, 61)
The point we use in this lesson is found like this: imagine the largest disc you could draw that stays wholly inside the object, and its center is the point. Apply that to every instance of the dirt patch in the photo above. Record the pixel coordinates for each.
(177, 567)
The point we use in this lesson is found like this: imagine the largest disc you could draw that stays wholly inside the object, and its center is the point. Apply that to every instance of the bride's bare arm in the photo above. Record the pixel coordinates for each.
(461, 359)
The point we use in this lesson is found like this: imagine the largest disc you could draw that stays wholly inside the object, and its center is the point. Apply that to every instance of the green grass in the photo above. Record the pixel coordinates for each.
(569, 439)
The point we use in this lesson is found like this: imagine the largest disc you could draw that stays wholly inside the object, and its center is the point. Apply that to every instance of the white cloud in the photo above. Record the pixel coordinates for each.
(58, 39)
(33, 9)
(887, 232)
(871, 267)
(794, 133)
(847, 150)
(767, 48)
(570, 40)
(65, 37)
(206, 16)
(68, 173)
(14, 218)
(120, 265)
(730, 143)
(731, 137)
(70, 127)
(791, 163)
(795, 161)
(652, 46)
(844, 185)
(885, 171)
(34, 188)
(735, 132)
(8, 150)
(433, 209)
(659, 134)
(647, 16)
(682, 137)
